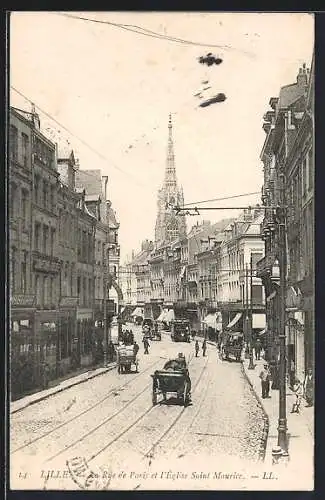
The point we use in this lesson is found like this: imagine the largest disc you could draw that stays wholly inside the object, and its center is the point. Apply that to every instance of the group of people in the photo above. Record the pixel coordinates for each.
(301, 390)
(197, 347)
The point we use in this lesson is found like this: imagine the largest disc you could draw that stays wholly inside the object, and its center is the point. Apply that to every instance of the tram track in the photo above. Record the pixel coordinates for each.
(89, 409)
(148, 411)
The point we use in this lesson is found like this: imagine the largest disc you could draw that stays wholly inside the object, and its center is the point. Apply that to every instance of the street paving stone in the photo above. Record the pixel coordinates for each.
(224, 422)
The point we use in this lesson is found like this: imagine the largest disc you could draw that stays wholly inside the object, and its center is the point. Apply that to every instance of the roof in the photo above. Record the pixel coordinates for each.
(91, 180)
(112, 222)
(141, 258)
(254, 226)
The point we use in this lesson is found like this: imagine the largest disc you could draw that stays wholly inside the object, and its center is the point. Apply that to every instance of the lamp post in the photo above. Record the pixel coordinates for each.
(282, 422)
(251, 365)
(107, 284)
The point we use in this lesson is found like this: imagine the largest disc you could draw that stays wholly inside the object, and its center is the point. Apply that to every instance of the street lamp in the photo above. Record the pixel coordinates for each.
(282, 422)
(251, 365)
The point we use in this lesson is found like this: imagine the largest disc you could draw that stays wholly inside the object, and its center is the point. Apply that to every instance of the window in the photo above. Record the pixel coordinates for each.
(45, 238)
(24, 273)
(304, 176)
(13, 143)
(24, 207)
(78, 286)
(38, 290)
(51, 293)
(52, 241)
(45, 194)
(25, 149)
(52, 200)
(257, 294)
(13, 269)
(37, 236)
(310, 169)
(13, 201)
(255, 257)
(36, 188)
(45, 290)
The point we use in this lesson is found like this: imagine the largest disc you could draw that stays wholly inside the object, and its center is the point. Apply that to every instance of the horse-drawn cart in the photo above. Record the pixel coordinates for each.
(173, 379)
(126, 358)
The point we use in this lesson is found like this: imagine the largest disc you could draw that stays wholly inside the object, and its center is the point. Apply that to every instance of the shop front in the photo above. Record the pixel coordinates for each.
(66, 333)
(22, 346)
(46, 345)
(82, 344)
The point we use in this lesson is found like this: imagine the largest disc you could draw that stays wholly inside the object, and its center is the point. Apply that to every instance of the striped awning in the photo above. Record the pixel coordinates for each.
(137, 312)
(234, 320)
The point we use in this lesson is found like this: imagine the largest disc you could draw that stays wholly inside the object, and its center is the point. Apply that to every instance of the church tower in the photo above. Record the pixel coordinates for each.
(168, 225)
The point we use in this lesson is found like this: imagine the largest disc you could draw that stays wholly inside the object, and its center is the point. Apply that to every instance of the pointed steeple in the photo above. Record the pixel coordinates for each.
(170, 172)
(168, 225)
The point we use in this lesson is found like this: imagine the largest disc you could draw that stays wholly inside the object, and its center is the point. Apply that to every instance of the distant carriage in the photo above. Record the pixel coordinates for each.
(126, 358)
(173, 379)
(180, 331)
(233, 345)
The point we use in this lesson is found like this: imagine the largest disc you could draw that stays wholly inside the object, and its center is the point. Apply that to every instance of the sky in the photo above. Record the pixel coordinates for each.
(114, 89)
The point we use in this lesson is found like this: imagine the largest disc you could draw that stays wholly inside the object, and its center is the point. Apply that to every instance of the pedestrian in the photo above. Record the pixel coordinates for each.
(135, 348)
(197, 348)
(265, 376)
(298, 390)
(309, 387)
(258, 349)
(204, 346)
(146, 345)
(111, 351)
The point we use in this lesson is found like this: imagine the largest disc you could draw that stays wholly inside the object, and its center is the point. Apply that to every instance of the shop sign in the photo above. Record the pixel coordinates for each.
(22, 300)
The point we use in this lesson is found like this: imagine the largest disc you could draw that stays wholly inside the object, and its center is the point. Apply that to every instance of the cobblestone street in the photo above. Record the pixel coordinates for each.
(110, 422)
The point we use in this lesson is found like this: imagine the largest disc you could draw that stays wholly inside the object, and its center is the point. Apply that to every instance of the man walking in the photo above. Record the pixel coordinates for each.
(204, 346)
(309, 387)
(258, 349)
(197, 348)
(135, 348)
(265, 376)
(146, 345)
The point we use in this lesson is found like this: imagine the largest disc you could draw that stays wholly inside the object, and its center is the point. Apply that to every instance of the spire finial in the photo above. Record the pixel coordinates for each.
(170, 121)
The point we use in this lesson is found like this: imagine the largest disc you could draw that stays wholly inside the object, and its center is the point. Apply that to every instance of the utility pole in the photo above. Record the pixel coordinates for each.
(251, 365)
(246, 314)
(106, 295)
(282, 423)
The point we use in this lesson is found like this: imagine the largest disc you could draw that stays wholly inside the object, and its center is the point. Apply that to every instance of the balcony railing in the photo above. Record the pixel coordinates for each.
(23, 300)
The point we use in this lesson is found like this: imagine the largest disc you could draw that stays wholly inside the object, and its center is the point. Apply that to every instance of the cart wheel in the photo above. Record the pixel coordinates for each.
(154, 397)
(118, 369)
(185, 395)
(137, 368)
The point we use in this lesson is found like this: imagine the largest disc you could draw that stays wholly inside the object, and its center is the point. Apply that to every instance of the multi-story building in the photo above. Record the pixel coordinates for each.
(287, 156)
(21, 289)
(56, 233)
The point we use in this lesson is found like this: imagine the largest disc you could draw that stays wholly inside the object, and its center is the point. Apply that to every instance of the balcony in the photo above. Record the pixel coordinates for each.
(46, 263)
(265, 265)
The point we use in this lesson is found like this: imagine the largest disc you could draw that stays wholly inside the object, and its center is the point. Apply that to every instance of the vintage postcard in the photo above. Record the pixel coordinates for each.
(161, 251)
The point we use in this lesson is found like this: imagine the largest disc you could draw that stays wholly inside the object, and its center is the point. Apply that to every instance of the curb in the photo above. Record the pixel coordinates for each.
(265, 432)
(61, 389)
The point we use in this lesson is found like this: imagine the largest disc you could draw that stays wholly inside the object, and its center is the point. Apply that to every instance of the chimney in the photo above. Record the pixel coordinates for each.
(302, 76)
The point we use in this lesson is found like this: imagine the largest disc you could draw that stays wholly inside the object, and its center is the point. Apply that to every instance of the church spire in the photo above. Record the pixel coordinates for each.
(170, 172)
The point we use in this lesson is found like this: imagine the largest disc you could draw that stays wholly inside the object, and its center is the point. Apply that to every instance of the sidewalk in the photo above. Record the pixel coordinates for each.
(300, 426)
(22, 403)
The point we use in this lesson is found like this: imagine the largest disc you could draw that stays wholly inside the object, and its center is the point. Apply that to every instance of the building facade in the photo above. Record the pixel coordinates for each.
(56, 232)
(288, 158)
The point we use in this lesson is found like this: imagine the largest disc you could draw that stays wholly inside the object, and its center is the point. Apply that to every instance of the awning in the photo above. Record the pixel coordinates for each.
(161, 316)
(234, 320)
(170, 315)
(259, 321)
(213, 321)
(137, 312)
(182, 272)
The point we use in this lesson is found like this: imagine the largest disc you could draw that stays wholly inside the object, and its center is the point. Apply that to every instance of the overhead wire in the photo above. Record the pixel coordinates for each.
(145, 32)
(221, 199)
(91, 148)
